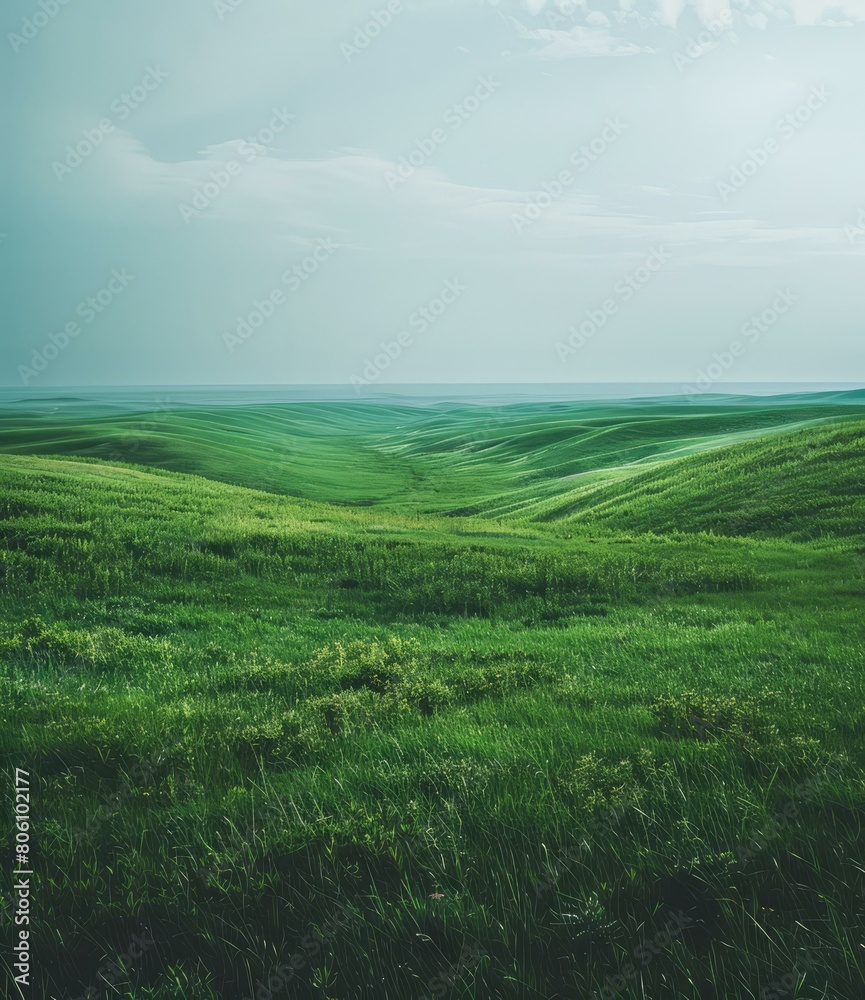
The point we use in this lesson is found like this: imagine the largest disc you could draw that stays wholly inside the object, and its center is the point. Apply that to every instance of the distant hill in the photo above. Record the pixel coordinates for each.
(448, 457)
(804, 484)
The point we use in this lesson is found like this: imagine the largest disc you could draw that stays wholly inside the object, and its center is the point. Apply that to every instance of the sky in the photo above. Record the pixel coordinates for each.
(404, 191)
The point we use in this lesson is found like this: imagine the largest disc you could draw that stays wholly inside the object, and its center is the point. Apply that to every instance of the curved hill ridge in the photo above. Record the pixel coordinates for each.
(805, 484)
(597, 460)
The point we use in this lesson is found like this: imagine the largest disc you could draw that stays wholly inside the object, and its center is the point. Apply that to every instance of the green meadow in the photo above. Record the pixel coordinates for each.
(552, 700)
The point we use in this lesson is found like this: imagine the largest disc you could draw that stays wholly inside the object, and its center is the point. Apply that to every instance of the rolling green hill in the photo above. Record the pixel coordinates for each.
(605, 739)
(801, 484)
(448, 458)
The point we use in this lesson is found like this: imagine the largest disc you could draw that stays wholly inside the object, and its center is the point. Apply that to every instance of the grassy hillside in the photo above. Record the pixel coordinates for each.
(802, 484)
(357, 752)
(450, 457)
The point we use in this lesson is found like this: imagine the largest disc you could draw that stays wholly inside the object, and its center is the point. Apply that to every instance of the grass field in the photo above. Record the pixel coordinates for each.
(367, 700)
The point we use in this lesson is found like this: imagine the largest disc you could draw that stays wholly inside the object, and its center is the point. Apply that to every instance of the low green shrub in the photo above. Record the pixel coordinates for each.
(691, 715)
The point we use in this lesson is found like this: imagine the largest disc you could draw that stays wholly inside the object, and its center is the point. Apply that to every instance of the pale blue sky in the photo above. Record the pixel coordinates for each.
(298, 159)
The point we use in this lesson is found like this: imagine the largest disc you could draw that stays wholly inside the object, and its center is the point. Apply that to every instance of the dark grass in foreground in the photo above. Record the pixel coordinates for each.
(285, 749)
